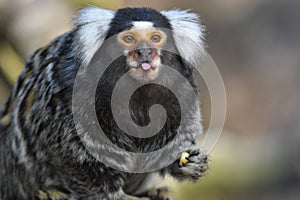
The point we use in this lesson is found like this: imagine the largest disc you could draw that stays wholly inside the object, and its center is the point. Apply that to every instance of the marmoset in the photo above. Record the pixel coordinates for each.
(41, 153)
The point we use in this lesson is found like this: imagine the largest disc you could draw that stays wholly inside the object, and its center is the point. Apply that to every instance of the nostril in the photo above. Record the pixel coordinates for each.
(137, 54)
(149, 52)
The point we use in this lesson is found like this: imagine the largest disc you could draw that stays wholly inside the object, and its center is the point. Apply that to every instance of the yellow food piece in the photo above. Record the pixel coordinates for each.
(183, 158)
(56, 195)
(42, 195)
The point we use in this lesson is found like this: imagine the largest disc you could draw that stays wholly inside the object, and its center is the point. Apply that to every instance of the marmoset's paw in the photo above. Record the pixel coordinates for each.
(192, 165)
(160, 194)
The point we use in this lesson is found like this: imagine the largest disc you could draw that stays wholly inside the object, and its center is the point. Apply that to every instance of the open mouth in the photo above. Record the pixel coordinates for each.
(145, 70)
(145, 66)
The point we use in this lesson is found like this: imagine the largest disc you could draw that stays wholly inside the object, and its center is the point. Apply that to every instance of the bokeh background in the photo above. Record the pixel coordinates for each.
(255, 44)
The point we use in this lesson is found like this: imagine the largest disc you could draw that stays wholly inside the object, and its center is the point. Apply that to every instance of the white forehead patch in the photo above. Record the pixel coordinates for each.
(142, 24)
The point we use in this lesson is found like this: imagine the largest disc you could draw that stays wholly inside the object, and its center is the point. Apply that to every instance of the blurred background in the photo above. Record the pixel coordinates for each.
(255, 44)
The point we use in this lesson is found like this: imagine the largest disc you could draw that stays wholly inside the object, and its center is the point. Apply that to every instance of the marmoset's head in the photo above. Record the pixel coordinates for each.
(143, 34)
(140, 32)
(142, 45)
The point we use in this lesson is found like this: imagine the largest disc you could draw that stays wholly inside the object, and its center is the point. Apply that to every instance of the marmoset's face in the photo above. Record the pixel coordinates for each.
(142, 46)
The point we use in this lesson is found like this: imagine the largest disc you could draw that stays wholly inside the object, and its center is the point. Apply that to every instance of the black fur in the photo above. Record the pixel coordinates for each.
(124, 18)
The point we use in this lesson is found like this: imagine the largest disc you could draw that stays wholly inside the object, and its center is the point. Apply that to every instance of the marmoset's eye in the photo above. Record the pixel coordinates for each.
(155, 38)
(129, 39)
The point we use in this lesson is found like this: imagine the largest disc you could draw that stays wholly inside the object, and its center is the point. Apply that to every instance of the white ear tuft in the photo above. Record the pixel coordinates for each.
(93, 24)
(188, 34)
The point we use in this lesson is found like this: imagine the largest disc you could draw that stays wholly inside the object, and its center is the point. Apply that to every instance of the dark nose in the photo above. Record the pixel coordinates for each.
(145, 52)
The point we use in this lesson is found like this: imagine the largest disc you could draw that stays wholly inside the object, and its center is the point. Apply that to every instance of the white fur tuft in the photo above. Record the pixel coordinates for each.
(142, 24)
(188, 34)
(93, 24)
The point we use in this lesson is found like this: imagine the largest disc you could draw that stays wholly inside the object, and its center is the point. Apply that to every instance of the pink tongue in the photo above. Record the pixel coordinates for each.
(145, 66)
